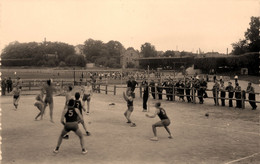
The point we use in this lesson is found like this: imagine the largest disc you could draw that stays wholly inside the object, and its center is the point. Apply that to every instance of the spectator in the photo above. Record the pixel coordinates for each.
(214, 78)
(3, 86)
(230, 90)
(145, 95)
(222, 93)
(196, 85)
(9, 85)
(152, 85)
(202, 87)
(238, 96)
(215, 91)
(166, 84)
(187, 89)
(159, 90)
(250, 89)
(171, 84)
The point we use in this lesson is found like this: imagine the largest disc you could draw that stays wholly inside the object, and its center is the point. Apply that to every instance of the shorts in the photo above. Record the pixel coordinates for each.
(166, 122)
(48, 100)
(130, 108)
(39, 104)
(16, 96)
(71, 126)
(86, 97)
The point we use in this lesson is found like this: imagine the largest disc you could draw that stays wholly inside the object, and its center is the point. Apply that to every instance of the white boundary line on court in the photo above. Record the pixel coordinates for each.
(240, 159)
(222, 128)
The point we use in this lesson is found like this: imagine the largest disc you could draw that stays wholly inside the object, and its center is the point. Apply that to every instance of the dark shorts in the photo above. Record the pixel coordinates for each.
(130, 108)
(166, 122)
(16, 96)
(71, 126)
(48, 100)
(39, 105)
(86, 97)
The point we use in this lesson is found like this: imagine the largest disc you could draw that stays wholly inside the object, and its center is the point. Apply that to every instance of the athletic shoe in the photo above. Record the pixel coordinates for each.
(128, 122)
(154, 139)
(87, 133)
(55, 151)
(87, 113)
(84, 151)
(66, 137)
(133, 125)
(170, 137)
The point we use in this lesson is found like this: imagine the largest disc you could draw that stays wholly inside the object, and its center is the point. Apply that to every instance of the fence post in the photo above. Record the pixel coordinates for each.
(216, 92)
(114, 89)
(155, 92)
(141, 91)
(193, 95)
(243, 99)
(106, 89)
(173, 93)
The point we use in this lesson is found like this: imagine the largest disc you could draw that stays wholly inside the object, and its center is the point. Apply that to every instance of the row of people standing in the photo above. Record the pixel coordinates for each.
(7, 84)
(185, 89)
(233, 92)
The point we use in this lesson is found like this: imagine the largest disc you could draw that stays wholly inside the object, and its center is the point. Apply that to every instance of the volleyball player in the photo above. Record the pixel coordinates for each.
(130, 106)
(165, 121)
(39, 103)
(16, 95)
(71, 115)
(87, 94)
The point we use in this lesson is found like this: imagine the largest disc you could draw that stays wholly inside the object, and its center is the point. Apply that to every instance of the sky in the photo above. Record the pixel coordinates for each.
(184, 25)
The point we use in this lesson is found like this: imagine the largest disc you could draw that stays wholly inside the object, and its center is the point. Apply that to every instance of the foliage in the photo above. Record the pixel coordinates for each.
(104, 54)
(169, 53)
(148, 50)
(75, 60)
(62, 64)
(38, 52)
(231, 63)
(251, 43)
(130, 65)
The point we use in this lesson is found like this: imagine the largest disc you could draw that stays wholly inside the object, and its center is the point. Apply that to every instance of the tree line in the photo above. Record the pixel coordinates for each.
(105, 54)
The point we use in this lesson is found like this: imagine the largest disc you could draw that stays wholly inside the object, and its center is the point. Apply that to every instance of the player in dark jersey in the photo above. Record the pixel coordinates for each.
(71, 115)
(165, 121)
(130, 107)
(78, 105)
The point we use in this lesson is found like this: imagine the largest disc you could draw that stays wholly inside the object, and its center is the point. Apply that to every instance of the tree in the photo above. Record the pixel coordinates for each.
(252, 35)
(92, 49)
(251, 43)
(148, 50)
(169, 53)
(239, 47)
(75, 60)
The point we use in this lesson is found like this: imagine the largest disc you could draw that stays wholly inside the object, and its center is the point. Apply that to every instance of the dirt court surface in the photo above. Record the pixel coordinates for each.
(228, 135)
